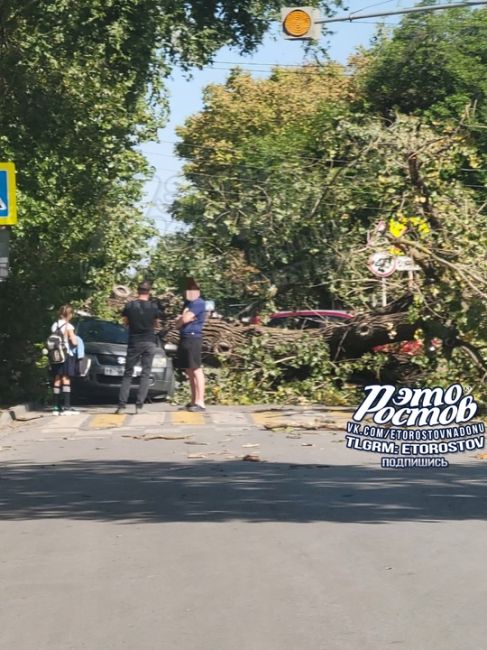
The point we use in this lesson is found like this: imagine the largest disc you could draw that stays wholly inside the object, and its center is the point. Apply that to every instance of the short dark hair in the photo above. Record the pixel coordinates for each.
(191, 285)
(144, 287)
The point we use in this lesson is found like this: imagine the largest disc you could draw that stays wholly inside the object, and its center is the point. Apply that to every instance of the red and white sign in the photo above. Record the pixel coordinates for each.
(382, 264)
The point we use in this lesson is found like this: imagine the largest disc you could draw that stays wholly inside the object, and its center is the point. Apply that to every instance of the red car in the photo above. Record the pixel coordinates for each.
(314, 318)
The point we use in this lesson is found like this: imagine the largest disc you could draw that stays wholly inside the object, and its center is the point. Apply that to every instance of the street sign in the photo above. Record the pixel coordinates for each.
(382, 264)
(8, 205)
(406, 263)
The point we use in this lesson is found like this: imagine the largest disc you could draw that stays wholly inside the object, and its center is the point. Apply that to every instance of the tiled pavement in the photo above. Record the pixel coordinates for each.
(284, 434)
(173, 420)
(229, 418)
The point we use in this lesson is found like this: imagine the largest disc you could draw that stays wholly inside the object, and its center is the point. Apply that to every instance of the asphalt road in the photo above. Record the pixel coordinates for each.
(113, 538)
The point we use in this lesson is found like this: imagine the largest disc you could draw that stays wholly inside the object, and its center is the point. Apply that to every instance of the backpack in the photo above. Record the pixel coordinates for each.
(56, 347)
(80, 348)
(83, 363)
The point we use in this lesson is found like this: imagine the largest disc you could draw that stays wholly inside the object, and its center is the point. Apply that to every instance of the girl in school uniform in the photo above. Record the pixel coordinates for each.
(62, 372)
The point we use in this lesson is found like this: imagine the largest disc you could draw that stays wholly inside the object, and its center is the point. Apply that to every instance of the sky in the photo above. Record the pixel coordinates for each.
(185, 94)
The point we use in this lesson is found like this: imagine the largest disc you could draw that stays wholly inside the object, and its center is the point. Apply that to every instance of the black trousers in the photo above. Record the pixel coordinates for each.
(143, 352)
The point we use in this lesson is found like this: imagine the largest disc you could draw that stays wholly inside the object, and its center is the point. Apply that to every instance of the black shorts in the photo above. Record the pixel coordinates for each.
(189, 352)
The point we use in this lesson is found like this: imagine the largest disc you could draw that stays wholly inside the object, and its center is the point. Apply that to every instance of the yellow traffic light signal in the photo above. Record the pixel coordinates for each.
(299, 23)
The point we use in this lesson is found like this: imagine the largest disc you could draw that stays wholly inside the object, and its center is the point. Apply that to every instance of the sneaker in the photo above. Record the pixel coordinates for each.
(69, 411)
(138, 408)
(56, 410)
(120, 409)
(188, 405)
(196, 408)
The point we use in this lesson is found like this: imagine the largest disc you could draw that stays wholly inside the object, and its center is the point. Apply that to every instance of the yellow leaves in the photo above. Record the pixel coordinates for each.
(244, 104)
(399, 225)
(421, 225)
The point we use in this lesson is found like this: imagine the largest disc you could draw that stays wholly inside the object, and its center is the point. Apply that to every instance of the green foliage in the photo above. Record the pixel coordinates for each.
(433, 64)
(304, 374)
(295, 373)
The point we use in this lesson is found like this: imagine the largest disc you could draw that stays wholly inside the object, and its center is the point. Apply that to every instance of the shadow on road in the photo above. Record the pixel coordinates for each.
(134, 491)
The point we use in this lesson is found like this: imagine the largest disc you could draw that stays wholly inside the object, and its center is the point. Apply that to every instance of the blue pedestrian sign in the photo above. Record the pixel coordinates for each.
(8, 205)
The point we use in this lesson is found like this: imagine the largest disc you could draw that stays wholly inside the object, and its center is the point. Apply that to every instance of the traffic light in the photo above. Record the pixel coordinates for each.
(299, 23)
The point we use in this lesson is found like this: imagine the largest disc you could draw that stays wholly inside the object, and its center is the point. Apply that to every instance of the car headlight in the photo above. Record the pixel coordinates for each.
(159, 362)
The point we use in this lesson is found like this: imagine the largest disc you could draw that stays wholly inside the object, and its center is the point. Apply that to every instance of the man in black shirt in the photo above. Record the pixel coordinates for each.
(140, 317)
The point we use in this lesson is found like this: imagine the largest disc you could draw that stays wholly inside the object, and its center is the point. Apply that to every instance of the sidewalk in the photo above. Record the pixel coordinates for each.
(159, 418)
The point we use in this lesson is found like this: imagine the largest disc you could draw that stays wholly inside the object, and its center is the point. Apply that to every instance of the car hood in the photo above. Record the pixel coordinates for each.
(117, 349)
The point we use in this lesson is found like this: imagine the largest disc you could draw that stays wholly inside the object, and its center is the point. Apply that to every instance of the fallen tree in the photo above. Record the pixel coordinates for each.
(349, 340)
(224, 339)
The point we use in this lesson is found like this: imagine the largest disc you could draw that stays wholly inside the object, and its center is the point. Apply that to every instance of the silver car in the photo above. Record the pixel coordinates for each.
(106, 349)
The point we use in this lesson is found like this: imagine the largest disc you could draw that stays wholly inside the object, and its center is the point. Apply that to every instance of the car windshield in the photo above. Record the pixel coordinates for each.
(102, 331)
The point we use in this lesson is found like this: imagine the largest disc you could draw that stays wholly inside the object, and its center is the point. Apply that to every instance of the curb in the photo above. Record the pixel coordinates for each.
(24, 412)
(5, 418)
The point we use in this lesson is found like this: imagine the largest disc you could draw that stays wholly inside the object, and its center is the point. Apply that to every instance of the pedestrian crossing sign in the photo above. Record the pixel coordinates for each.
(8, 205)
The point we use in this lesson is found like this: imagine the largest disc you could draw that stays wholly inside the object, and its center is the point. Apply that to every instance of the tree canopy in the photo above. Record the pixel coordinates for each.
(433, 64)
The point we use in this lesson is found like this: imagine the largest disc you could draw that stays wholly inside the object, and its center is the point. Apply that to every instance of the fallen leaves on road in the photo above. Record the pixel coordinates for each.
(315, 425)
(155, 437)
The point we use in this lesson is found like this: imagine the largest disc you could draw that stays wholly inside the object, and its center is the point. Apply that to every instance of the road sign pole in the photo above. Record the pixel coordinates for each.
(4, 252)
(384, 292)
(411, 280)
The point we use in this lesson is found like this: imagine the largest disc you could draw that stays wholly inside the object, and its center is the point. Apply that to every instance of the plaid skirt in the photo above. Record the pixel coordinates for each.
(65, 369)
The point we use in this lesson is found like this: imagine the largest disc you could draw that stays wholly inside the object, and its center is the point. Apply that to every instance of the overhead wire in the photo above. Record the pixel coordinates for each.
(287, 166)
(376, 4)
(252, 181)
